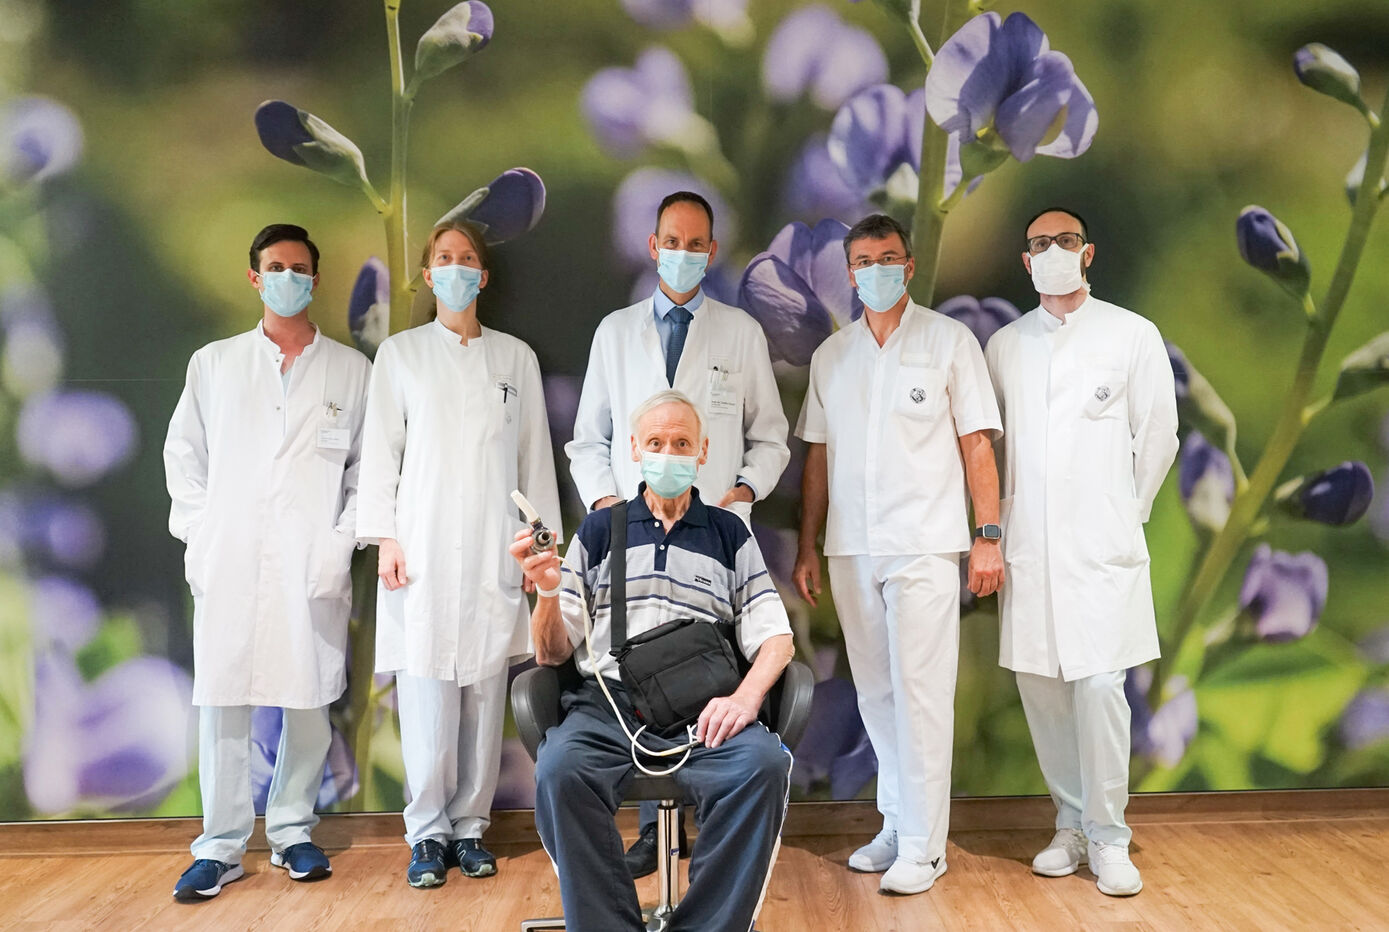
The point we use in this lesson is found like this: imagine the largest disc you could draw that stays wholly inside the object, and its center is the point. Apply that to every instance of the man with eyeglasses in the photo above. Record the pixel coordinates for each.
(1087, 397)
(900, 418)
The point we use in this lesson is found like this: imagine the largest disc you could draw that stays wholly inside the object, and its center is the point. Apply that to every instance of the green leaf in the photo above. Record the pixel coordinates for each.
(1204, 410)
(978, 158)
(1279, 700)
(117, 641)
(1364, 370)
(453, 39)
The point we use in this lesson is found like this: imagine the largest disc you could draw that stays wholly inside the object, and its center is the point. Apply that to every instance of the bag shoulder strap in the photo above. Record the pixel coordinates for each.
(617, 577)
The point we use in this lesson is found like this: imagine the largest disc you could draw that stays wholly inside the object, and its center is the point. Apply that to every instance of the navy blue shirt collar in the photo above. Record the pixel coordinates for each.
(697, 515)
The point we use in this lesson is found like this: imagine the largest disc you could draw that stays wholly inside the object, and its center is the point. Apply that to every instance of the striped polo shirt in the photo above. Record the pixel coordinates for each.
(708, 567)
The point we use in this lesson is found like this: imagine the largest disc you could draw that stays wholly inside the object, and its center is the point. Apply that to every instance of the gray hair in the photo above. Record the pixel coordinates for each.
(667, 396)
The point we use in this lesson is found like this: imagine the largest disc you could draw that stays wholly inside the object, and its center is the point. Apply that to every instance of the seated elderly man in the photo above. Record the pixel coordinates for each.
(684, 559)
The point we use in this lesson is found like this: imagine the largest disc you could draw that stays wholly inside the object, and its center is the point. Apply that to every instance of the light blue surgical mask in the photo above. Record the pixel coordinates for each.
(881, 286)
(287, 292)
(668, 475)
(682, 270)
(456, 285)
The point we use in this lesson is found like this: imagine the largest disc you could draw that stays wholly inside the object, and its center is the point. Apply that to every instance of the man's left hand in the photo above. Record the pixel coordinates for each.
(739, 493)
(985, 567)
(723, 718)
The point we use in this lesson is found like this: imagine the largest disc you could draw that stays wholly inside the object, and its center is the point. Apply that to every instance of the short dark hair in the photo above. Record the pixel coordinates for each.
(686, 197)
(1084, 230)
(279, 233)
(876, 226)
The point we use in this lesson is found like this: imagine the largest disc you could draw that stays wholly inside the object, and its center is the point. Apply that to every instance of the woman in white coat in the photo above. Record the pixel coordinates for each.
(455, 421)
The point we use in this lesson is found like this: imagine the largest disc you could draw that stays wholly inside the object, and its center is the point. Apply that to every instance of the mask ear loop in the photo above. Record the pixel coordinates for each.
(685, 749)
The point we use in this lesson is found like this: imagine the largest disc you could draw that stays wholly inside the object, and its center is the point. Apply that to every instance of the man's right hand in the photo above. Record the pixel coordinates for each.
(390, 564)
(607, 501)
(807, 575)
(543, 569)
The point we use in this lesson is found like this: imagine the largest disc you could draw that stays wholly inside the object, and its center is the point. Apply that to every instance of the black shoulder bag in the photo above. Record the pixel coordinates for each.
(672, 671)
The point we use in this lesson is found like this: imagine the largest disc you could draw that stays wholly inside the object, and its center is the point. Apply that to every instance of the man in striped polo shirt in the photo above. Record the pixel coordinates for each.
(684, 559)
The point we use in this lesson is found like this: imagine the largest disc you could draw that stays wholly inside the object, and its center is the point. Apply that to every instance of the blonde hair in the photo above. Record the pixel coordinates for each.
(470, 230)
(667, 396)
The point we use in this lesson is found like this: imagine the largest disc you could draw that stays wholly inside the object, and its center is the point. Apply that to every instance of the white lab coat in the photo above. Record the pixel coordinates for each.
(1090, 430)
(451, 430)
(264, 484)
(724, 368)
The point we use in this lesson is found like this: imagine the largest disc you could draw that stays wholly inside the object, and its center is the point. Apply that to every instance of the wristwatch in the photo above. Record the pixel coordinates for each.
(989, 532)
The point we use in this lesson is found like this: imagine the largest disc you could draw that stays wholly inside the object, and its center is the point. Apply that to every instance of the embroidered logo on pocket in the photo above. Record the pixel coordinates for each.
(918, 395)
(1102, 393)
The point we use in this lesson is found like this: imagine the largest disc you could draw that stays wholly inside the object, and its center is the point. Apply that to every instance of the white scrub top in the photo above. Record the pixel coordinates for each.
(451, 430)
(1091, 414)
(724, 368)
(891, 418)
(262, 472)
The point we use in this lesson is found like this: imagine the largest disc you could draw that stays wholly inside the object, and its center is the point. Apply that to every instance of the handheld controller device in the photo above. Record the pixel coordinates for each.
(542, 538)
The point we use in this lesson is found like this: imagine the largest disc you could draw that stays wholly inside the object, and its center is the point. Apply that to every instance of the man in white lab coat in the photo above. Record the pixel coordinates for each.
(261, 462)
(1087, 397)
(716, 355)
(900, 418)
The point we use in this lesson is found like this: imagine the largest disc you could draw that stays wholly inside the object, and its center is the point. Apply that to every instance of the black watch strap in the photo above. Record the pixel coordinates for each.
(989, 532)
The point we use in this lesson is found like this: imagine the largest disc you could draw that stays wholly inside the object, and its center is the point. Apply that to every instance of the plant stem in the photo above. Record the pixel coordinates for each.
(922, 46)
(361, 709)
(928, 223)
(1249, 502)
(394, 214)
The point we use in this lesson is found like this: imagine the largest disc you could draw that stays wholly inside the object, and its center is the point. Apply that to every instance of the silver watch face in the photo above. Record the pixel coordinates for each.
(991, 532)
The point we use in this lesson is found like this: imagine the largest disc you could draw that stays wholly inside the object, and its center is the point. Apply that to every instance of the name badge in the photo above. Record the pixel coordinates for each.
(723, 396)
(334, 438)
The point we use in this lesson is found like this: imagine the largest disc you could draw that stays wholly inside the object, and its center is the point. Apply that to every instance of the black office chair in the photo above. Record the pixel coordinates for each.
(535, 703)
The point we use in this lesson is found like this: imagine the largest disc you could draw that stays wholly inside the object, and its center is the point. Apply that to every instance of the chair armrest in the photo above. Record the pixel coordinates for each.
(535, 705)
(793, 706)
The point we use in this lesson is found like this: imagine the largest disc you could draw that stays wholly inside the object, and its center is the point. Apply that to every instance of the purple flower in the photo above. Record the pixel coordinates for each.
(120, 743)
(513, 205)
(1283, 593)
(1181, 372)
(815, 188)
(462, 32)
(339, 769)
(39, 139)
(1268, 245)
(77, 435)
(63, 613)
(1206, 482)
(634, 212)
(369, 306)
(50, 530)
(1365, 720)
(650, 103)
(32, 359)
(730, 15)
(778, 553)
(1001, 76)
(835, 747)
(814, 52)
(1162, 736)
(303, 139)
(984, 317)
(875, 141)
(799, 289)
(1337, 496)
(1325, 71)
(515, 777)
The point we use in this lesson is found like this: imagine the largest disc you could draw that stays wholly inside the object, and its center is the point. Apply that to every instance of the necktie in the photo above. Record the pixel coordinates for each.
(679, 328)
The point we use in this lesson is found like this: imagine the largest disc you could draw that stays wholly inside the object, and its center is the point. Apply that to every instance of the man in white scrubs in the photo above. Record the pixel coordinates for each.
(716, 355)
(261, 461)
(1087, 396)
(900, 418)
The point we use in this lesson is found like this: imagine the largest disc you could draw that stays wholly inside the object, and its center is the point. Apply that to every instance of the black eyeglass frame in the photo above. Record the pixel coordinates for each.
(1046, 241)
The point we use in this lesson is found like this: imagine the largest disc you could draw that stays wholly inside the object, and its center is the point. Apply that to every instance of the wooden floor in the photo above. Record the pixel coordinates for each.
(1260, 867)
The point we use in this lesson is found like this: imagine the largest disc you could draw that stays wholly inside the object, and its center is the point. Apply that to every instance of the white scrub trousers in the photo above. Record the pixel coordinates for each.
(451, 740)
(224, 776)
(901, 622)
(1080, 730)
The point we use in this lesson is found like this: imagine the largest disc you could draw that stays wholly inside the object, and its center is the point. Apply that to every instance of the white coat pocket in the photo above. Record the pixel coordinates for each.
(725, 391)
(332, 566)
(919, 392)
(1104, 392)
(505, 405)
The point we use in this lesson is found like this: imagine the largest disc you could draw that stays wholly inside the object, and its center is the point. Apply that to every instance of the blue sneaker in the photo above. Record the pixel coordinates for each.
(472, 859)
(304, 861)
(205, 879)
(427, 864)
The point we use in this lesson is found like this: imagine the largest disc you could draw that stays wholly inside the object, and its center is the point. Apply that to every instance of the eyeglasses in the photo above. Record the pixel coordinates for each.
(1068, 241)
(859, 264)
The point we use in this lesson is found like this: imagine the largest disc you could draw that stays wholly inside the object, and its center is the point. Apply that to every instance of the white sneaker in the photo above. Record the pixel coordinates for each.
(877, 855)
(906, 876)
(1114, 873)
(1061, 858)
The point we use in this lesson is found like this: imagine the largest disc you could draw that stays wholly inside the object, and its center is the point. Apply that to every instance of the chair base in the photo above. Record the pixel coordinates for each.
(657, 919)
